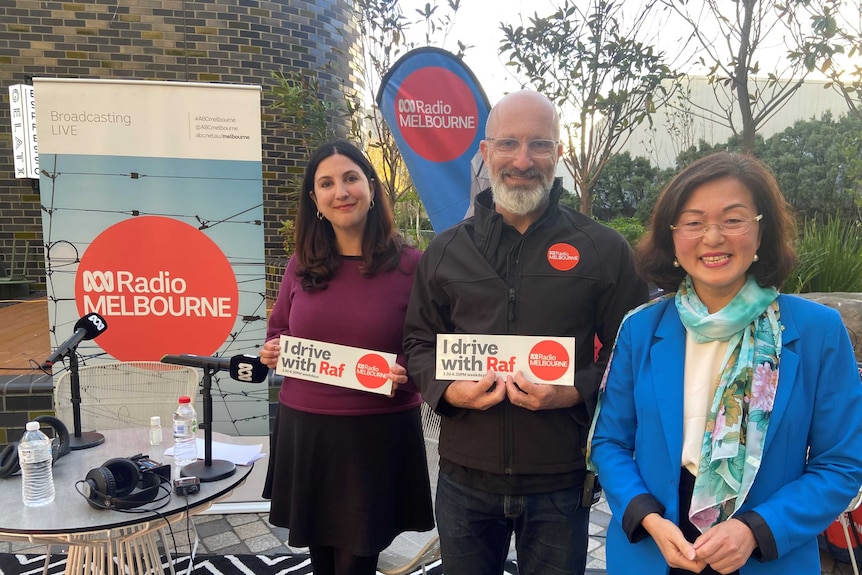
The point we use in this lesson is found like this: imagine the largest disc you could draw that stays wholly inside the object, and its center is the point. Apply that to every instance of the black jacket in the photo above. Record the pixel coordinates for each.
(457, 290)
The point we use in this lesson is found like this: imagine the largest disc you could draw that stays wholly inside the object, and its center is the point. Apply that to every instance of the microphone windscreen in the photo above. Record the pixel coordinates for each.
(248, 369)
(93, 324)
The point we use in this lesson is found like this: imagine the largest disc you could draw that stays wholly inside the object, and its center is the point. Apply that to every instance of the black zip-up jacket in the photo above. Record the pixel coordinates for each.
(457, 290)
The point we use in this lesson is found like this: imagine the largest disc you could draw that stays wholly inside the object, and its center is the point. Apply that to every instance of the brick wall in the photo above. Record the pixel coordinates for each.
(223, 41)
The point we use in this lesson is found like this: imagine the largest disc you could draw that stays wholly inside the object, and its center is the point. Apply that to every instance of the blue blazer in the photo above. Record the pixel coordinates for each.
(812, 460)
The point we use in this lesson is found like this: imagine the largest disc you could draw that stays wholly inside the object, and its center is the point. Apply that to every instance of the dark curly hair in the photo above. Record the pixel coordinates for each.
(315, 252)
(777, 256)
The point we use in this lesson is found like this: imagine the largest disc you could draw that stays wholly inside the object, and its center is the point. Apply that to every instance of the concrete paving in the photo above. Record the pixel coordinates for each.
(244, 533)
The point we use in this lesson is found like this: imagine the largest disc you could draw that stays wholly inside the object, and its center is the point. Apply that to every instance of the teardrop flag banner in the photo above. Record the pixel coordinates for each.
(436, 111)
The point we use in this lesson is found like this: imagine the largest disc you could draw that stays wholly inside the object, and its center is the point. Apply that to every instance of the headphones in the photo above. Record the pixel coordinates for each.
(114, 484)
(60, 446)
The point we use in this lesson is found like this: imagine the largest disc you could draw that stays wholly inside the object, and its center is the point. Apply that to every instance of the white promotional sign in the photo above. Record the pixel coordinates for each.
(333, 364)
(23, 114)
(540, 359)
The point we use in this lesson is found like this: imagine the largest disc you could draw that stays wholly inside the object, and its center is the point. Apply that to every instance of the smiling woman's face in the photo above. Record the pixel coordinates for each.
(717, 263)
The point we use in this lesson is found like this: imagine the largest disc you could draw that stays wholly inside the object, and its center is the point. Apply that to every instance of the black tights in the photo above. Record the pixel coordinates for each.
(334, 561)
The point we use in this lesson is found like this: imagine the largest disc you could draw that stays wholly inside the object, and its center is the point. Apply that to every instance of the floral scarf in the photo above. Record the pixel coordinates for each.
(739, 413)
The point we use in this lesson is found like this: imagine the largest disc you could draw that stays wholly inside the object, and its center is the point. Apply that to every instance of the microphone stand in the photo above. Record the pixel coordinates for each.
(79, 440)
(209, 469)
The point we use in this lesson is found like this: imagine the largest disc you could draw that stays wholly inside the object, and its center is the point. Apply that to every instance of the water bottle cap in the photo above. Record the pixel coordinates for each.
(155, 420)
(185, 399)
(32, 425)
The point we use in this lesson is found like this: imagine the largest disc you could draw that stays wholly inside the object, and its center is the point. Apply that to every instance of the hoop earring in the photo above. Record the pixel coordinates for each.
(675, 262)
(319, 215)
(371, 206)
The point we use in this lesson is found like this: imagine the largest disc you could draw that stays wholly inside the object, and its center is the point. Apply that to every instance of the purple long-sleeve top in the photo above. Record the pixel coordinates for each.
(353, 310)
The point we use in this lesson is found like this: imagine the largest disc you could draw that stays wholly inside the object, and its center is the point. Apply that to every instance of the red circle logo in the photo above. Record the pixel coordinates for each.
(437, 114)
(563, 257)
(371, 370)
(549, 360)
(163, 286)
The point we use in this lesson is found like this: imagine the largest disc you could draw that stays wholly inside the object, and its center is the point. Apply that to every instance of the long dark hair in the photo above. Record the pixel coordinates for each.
(315, 252)
(777, 256)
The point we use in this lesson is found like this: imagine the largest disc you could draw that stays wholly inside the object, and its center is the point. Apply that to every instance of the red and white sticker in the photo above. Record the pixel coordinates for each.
(334, 364)
(539, 359)
(163, 286)
(563, 256)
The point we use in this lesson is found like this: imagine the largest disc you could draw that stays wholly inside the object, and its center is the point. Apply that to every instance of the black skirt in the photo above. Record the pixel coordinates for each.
(350, 482)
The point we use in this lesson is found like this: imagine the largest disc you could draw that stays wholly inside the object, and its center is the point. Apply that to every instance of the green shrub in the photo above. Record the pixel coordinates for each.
(631, 228)
(830, 257)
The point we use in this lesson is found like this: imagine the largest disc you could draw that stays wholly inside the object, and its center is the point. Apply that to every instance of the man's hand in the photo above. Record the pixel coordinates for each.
(727, 546)
(535, 396)
(482, 394)
(269, 353)
(674, 547)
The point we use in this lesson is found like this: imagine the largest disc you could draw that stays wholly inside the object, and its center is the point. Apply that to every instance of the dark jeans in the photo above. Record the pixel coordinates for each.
(551, 530)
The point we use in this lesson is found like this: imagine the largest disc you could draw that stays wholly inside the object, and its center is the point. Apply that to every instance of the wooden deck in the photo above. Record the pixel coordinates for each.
(23, 336)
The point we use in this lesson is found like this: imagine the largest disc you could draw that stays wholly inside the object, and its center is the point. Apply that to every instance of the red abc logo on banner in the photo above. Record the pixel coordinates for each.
(437, 114)
(163, 286)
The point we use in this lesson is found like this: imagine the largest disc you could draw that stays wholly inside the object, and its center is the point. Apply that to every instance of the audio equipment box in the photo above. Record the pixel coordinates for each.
(147, 465)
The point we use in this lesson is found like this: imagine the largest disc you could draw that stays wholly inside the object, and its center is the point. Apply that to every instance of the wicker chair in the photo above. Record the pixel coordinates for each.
(125, 394)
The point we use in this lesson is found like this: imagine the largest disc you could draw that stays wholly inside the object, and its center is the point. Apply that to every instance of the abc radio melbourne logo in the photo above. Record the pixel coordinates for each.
(123, 293)
(163, 285)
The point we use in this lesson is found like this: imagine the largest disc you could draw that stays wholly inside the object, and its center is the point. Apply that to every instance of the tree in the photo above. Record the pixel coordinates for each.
(598, 71)
(818, 164)
(307, 124)
(624, 183)
(730, 38)
(835, 44)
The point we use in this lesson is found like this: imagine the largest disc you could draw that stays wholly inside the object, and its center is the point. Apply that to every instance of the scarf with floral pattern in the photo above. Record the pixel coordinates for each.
(740, 410)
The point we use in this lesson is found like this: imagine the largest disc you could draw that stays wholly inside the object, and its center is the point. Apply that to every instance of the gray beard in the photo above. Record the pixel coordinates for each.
(519, 201)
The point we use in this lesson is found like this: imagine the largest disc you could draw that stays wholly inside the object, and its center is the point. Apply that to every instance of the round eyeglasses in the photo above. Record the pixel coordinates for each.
(509, 147)
(730, 227)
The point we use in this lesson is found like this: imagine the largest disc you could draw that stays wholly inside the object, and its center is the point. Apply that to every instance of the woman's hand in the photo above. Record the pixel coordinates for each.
(269, 353)
(677, 551)
(727, 546)
(398, 375)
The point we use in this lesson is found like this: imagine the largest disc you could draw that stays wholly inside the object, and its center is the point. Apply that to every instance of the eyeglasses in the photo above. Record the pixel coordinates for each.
(730, 227)
(509, 147)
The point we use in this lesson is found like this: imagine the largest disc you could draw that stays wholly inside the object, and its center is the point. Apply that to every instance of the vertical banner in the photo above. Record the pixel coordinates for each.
(437, 111)
(25, 152)
(152, 209)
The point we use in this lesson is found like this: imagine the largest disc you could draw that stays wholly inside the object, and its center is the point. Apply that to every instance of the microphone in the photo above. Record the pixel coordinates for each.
(88, 327)
(245, 368)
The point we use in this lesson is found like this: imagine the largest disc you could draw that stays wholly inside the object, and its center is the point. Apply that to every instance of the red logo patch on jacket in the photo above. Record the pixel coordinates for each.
(563, 257)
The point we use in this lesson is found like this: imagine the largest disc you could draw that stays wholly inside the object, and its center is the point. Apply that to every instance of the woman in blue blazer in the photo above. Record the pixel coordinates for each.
(729, 432)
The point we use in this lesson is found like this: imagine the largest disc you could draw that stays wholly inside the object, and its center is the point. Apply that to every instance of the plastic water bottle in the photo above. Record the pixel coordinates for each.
(185, 433)
(34, 456)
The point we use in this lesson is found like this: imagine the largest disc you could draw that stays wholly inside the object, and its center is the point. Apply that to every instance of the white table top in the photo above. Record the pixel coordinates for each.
(70, 512)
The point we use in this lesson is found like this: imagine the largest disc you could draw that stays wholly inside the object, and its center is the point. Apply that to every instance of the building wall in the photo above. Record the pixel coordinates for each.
(673, 130)
(222, 41)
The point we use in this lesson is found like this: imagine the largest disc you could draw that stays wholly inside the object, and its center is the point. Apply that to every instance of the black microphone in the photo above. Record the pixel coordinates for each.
(245, 368)
(88, 327)
(248, 369)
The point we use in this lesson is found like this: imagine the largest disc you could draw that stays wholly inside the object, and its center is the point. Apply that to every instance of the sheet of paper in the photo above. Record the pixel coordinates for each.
(237, 454)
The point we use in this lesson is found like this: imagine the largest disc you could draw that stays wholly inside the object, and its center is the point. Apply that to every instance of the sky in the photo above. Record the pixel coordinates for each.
(479, 27)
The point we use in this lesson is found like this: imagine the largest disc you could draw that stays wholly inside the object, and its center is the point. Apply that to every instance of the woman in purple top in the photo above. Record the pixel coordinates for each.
(347, 469)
